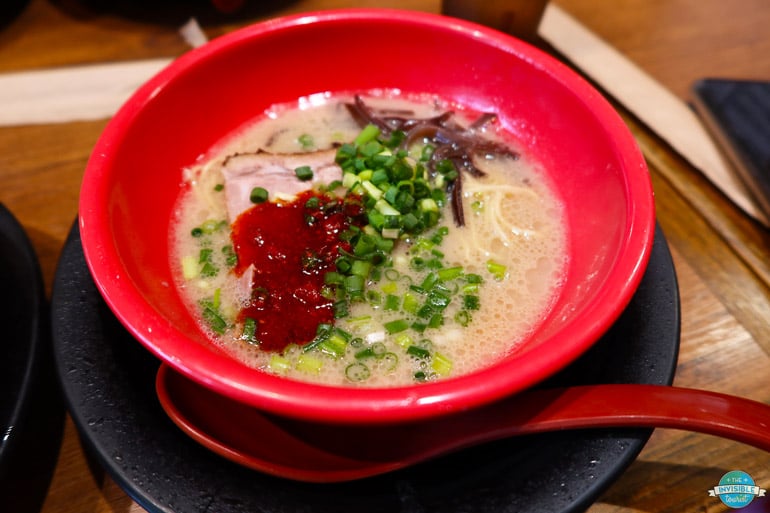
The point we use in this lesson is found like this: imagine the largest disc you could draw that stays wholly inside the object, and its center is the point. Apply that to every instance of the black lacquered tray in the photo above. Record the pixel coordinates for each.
(108, 382)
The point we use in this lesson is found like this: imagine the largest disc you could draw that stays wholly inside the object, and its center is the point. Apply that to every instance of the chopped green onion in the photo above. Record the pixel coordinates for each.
(258, 195)
(425, 312)
(205, 255)
(392, 275)
(428, 205)
(391, 233)
(357, 372)
(404, 340)
(450, 273)
(389, 361)
(231, 259)
(441, 364)
(279, 364)
(429, 282)
(471, 302)
(304, 173)
(436, 321)
(369, 133)
(209, 270)
(333, 278)
(497, 270)
(341, 309)
(364, 354)
(419, 352)
(417, 263)
(389, 287)
(371, 148)
(379, 176)
(385, 208)
(419, 327)
(250, 331)
(374, 298)
(463, 318)
(361, 268)
(190, 267)
(427, 152)
(396, 326)
(306, 141)
(473, 278)
(392, 302)
(410, 304)
(309, 364)
(211, 225)
(334, 346)
(354, 285)
(360, 320)
(215, 321)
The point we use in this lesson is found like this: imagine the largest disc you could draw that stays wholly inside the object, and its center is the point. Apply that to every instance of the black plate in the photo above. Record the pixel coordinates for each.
(108, 382)
(31, 409)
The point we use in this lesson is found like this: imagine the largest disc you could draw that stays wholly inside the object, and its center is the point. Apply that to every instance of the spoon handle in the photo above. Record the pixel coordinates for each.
(596, 406)
(313, 452)
(546, 410)
(530, 412)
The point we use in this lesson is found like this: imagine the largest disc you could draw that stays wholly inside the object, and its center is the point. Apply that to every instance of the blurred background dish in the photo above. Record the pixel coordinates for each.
(10, 9)
(173, 12)
(31, 409)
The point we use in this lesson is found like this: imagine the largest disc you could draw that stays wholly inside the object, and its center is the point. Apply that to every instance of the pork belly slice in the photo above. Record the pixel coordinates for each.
(275, 173)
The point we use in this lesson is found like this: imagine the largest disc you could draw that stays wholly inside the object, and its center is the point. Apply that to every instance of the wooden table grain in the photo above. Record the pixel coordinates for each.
(722, 257)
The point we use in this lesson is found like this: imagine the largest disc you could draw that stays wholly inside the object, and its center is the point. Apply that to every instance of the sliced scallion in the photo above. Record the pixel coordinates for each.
(388, 361)
(471, 302)
(441, 364)
(279, 364)
(309, 364)
(463, 318)
(258, 195)
(497, 270)
(418, 352)
(190, 267)
(306, 141)
(369, 133)
(357, 372)
(304, 173)
(250, 331)
(450, 273)
(396, 326)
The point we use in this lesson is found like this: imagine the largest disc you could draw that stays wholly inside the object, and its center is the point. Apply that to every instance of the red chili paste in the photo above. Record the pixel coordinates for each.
(291, 247)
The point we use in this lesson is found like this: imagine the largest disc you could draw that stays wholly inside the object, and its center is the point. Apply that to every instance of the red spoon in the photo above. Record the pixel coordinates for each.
(314, 452)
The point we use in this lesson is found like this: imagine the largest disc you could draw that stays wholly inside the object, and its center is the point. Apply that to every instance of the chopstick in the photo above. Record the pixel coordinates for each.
(653, 104)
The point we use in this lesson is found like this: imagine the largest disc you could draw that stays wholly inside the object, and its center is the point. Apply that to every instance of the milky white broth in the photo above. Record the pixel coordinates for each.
(512, 217)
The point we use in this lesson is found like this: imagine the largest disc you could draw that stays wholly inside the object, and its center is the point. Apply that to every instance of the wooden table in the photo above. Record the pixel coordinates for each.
(722, 257)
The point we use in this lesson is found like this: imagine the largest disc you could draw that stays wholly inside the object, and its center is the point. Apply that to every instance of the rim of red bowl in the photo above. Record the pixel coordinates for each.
(343, 404)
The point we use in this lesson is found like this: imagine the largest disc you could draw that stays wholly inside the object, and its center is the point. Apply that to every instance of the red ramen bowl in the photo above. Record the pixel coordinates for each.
(133, 179)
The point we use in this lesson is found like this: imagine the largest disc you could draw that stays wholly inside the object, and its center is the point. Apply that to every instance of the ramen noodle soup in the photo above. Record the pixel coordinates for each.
(368, 241)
